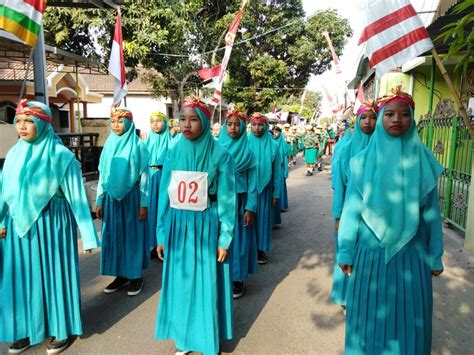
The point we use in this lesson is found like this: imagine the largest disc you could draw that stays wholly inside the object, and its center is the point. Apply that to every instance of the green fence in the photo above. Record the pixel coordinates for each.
(451, 144)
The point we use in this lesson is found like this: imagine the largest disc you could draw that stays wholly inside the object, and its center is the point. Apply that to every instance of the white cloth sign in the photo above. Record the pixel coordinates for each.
(188, 190)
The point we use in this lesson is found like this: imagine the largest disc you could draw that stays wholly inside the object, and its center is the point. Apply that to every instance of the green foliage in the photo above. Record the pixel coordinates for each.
(192, 30)
(461, 35)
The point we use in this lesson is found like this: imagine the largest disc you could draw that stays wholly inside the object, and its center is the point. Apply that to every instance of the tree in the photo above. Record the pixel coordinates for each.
(173, 39)
(311, 105)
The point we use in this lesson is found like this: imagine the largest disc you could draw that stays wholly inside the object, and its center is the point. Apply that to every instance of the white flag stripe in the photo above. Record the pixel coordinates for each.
(392, 34)
(114, 63)
(400, 58)
(376, 9)
(23, 8)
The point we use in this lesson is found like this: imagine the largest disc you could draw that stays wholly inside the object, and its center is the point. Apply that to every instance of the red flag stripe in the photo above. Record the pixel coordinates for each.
(398, 45)
(386, 22)
(39, 5)
(118, 39)
(208, 73)
(235, 23)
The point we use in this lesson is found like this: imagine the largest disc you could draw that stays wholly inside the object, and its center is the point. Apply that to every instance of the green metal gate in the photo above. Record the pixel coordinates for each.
(451, 144)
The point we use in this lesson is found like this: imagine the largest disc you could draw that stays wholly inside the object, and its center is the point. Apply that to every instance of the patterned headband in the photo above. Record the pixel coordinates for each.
(159, 115)
(194, 102)
(396, 94)
(370, 105)
(235, 112)
(258, 118)
(119, 113)
(22, 109)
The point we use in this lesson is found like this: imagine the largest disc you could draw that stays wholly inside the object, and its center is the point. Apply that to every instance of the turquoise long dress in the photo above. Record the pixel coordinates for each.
(157, 145)
(391, 234)
(40, 283)
(283, 199)
(269, 185)
(122, 190)
(342, 157)
(195, 307)
(389, 305)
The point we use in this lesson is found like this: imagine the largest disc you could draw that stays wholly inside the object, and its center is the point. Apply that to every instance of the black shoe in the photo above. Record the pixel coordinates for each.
(117, 284)
(153, 254)
(58, 346)
(19, 346)
(308, 173)
(261, 257)
(135, 287)
(237, 289)
(320, 168)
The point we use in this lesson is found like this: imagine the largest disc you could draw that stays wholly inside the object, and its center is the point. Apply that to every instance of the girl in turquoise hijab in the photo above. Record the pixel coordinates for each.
(364, 127)
(234, 139)
(268, 160)
(157, 143)
(390, 237)
(283, 150)
(196, 214)
(122, 201)
(43, 203)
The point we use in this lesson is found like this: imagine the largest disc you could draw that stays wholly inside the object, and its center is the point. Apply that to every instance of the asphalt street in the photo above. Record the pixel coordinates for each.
(286, 308)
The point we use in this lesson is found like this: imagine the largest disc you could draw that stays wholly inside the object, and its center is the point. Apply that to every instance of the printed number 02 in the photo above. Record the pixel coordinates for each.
(182, 192)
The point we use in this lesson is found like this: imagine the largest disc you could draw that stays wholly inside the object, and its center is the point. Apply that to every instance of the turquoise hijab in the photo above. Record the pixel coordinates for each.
(158, 143)
(283, 150)
(33, 172)
(394, 175)
(122, 161)
(238, 147)
(265, 150)
(337, 154)
(200, 154)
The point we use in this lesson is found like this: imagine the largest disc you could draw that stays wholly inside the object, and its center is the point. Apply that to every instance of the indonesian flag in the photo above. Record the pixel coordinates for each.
(333, 104)
(22, 18)
(229, 43)
(335, 59)
(394, 34)
(210, 76)
(117, 64)
(359, 98)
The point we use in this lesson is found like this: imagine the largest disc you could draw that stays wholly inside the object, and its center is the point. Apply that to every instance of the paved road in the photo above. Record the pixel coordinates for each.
(286, 308)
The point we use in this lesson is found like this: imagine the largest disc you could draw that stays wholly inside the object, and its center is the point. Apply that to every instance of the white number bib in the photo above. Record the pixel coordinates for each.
(188, 190)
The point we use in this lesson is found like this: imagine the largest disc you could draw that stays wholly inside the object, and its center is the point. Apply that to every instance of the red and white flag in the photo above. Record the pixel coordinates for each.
(210, 76)
(229, 43)
(333, 104)
(394, 34)
(335, 59)
(117, 64)
(359, 98)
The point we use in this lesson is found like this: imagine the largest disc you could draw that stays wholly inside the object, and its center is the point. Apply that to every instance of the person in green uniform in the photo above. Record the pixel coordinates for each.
(311, 149)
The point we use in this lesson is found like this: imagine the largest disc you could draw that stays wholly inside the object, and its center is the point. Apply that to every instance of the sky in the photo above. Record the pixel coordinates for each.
(351, 53)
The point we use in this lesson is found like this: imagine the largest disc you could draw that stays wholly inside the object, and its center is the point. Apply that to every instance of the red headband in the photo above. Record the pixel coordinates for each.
(258, 118)
(396, 94)
(119, 113)
(196, 103)
(368, 106)
(22, 109)
(236, 113)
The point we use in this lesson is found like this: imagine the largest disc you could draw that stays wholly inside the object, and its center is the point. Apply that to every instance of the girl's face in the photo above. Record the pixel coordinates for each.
(190, 124)
(25, 127)
(117, 125)
(258, 129)
(396, 118)
(156, 124)
(276, 133)
(367, 122)
(233, 127)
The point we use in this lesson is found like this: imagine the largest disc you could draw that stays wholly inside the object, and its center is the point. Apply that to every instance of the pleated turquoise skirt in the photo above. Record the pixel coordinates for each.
(124, 237)
(264, 219)
(310, 155)
(2, 301)
(339, 280)
(389, 306)
(153, 196)
(40, 284)
(195, 307)
(293, 150)
(283, 196)
(244, 245)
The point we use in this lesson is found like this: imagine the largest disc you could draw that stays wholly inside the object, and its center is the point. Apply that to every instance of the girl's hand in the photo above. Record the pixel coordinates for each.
(337, 224)
(88, 251)
(346, 269)
(99, 211)
(160, 250)
(248, 218)
(143, 214)
(275, 202)
(436, 273)
(221, 255)
(3, 233)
